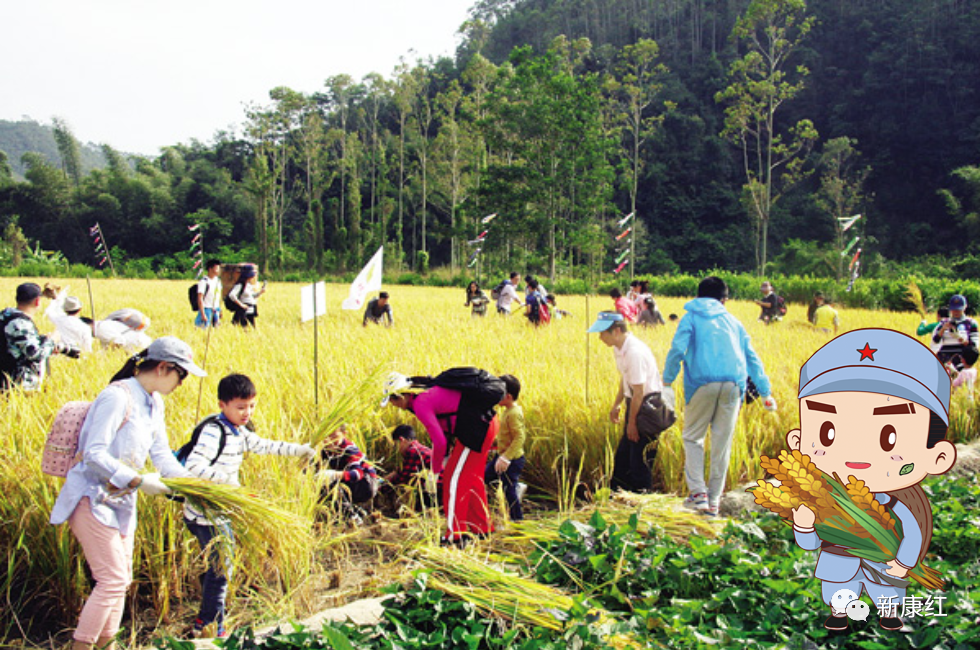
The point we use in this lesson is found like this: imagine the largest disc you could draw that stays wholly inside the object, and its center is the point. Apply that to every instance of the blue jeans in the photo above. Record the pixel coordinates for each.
(509, 478)
(214, 582)
(212, 316)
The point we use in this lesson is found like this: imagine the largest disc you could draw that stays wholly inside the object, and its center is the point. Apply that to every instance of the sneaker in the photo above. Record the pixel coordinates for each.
(521, 491)
(892, 623)
(836, 623)
(697, 502)
(710, 511)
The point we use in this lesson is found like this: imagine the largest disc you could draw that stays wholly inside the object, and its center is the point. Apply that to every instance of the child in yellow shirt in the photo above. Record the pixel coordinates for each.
(508, 462)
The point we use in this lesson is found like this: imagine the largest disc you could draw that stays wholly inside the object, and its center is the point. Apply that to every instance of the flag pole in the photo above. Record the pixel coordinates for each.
(588, 355)
(204, 362)
(91, 300)
(316, 357)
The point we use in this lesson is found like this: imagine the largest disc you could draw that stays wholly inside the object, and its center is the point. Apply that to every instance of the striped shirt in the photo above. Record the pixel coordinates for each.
(347, 457)
(238, 440)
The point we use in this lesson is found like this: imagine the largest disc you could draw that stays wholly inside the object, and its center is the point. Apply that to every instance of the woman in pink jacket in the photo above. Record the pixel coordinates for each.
(464, 494)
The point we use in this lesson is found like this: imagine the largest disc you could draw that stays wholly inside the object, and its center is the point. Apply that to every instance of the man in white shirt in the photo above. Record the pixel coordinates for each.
(114, 333)
(508, 295)
(646, 414)
(209, 296)
(63, 312)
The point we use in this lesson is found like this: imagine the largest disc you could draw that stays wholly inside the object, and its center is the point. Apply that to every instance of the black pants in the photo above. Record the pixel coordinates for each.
(509, 479)
(632, 465)
(245, 318)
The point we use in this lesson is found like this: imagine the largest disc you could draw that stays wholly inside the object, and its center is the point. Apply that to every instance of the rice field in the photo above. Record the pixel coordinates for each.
(569, 382)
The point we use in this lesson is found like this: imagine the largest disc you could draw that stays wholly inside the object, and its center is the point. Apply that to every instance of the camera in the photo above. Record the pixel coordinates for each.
(69, 351)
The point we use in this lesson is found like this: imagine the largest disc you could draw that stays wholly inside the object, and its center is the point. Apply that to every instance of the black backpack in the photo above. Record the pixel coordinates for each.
(780, 306)
(8, 365)
(192, 294)
(188, 446)
(497, 290)
(230, 305)
(480, 391)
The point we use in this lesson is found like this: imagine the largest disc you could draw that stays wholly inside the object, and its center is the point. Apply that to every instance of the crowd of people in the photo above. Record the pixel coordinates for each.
(473, 444)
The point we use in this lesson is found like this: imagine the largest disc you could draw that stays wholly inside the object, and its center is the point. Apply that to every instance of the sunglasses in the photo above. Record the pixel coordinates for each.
(181, 373)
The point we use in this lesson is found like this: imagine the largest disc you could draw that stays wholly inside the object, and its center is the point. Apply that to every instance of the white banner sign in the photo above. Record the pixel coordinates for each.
(310, 295)
(368, 280)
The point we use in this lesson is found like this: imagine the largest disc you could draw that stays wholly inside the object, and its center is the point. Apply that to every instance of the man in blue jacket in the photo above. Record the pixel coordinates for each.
(718, 357)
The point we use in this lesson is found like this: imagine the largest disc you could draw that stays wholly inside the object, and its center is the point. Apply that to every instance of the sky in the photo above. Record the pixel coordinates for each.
(139, 74)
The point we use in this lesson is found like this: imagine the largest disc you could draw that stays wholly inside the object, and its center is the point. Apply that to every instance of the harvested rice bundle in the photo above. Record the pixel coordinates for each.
(508, 595)
(257, 524)
(847, 515)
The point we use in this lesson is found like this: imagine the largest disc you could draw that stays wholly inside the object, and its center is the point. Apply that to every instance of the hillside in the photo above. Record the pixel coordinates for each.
(17, 138)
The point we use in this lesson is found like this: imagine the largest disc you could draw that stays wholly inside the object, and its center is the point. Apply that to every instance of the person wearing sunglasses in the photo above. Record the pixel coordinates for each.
(124, 425)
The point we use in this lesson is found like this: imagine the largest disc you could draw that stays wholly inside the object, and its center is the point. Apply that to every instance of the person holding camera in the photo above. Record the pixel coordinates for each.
(23, 351)
(955, 341)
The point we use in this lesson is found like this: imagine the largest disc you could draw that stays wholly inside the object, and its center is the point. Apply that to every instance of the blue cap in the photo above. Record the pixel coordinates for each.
(882, 361)
(957, 302)
(605, 320)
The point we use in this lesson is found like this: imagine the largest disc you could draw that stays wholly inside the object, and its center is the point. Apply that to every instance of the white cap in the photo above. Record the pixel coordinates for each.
(395, 383)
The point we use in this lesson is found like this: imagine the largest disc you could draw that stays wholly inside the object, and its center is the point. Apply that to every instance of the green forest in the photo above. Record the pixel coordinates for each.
(741, 133)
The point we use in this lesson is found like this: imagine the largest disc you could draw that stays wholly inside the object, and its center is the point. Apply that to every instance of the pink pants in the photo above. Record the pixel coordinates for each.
(110, 557)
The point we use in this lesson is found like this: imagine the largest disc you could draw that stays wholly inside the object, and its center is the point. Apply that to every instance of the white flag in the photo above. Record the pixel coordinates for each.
(369, 279)
(313, 301)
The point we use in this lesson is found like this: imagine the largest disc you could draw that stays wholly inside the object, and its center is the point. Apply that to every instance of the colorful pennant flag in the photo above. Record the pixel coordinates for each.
(622, 222)
(850, 245)
(194, 227)
(621, 266)
(624, 233)
(488, 218)
(855, 269)
(622, 255)
(847, 222)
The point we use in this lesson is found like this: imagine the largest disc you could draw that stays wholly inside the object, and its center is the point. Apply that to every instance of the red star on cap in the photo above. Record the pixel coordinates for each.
(868, 352)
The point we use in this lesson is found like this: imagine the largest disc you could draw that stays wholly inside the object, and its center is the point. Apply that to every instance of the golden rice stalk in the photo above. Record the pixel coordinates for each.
(256, 523)
(774, 467)
(350, 403)
(913, 296)
(864, 498)
(780, 501)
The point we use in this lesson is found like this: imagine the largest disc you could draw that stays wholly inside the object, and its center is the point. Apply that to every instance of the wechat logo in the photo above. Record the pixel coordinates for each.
(845, 601)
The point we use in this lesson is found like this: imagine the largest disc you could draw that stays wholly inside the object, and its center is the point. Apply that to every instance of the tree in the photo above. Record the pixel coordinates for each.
(269, 131)
(841, 188)
(966, 210)
(551, 151)
(772, 30)
(451, 154)
(639, 84)
(423, 115)
(403, 94)
(71, 155)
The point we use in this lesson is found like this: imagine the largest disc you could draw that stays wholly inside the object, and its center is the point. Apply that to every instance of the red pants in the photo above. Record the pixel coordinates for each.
(464, 494)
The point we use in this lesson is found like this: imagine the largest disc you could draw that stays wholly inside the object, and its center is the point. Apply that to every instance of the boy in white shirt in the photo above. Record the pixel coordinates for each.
(209, 296)
(216, 455)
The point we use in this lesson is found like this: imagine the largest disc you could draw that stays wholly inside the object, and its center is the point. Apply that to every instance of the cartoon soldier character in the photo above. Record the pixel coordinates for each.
(874, 404)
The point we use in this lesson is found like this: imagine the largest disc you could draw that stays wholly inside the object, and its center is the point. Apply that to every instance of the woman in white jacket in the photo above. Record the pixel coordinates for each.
(124, 425)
